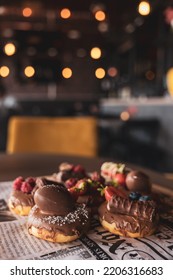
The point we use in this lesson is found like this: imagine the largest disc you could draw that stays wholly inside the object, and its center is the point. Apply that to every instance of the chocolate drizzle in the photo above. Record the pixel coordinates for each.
(126, 224)
(130, 216)
(75, 222)
(40, 182)
(141, 209)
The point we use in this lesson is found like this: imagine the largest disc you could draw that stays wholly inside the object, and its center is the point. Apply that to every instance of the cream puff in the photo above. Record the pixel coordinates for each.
(21, 198)
(56, 217)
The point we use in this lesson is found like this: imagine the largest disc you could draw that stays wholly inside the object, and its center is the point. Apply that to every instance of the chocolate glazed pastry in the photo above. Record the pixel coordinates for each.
(131, 218)
(20, 203)
(21, 198)
(55, 216)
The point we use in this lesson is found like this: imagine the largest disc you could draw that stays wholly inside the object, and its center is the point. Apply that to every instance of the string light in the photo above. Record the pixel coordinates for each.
(65, 13)
(112, 71)
(124, 116)
(4, 71)
(95, 53)
(27, 12)
(67, 73)
(169, 81)
(9, 49)
(29, 71)
(100, 73)
(100, 16)
(144, 8)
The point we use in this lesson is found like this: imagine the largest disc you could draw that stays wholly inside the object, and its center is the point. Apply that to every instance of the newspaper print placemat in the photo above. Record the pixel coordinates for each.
(16, 243)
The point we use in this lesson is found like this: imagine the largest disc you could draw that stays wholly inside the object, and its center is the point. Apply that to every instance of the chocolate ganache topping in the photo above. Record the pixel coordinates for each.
(144, 210)
(43, 181)
(54, 200)
(56, 211)
(138, 181)
(40, 182)
(21, 198)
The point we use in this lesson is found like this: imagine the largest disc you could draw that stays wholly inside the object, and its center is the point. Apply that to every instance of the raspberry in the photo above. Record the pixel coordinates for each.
(31, 181)
(17, 183)
(78, 169)
(26, 187)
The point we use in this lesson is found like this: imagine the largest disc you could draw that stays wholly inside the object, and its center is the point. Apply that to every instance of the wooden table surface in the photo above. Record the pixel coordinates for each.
(12, 166)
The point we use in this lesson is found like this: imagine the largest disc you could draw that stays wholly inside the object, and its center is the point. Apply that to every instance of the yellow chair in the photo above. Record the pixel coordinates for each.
(169, 81)
(61, 135)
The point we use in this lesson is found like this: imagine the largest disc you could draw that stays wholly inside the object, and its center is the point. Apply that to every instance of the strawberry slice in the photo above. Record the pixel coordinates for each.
(111, 191)
(120, 179)
(80, 188)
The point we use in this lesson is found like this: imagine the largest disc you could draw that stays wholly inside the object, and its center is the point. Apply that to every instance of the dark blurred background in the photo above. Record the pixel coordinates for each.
(109, 59)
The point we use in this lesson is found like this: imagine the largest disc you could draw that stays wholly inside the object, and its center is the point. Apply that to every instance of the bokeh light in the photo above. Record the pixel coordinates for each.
(124, 116)
(67, 73)
(112, 72)
(100, 16)
(29, 71)
(103, 26)
(4, 71)
(100, 73)
(95, 53)
(9, 49)
(144, 8)
(65, 13)
(27, 12)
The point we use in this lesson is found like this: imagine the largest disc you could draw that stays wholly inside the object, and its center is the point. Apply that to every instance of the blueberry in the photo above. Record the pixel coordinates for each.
(144, 198)
(134, 195)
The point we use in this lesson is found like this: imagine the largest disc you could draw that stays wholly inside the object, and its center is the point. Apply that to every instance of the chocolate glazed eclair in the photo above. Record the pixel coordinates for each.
(131, 218)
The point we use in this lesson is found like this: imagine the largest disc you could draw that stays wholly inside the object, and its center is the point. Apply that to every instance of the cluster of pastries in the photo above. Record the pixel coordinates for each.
(59, 207)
